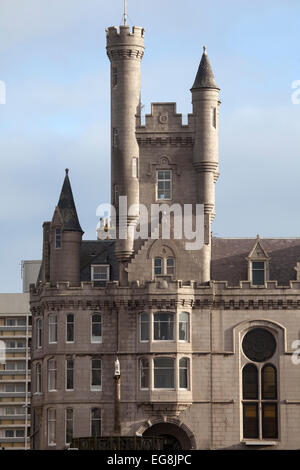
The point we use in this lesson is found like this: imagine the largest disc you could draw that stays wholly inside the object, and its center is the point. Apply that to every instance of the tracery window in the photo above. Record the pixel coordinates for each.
(259, 379)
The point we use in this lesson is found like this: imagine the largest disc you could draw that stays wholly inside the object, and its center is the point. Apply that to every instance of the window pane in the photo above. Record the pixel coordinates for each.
(250, 382)
(250, 420)
(164, 373)
(164, 326)
(57, 238)
(52, 322)
(51, 426)
(96, 422)
(96, 374)
(96, 328)
(70, 328)
(70, 374)
(183, 326)
(269, 388)
(269, 420)
(69, 425)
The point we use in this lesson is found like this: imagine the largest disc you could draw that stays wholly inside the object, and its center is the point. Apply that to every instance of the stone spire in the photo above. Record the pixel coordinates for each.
(67, 208)
(205, 77)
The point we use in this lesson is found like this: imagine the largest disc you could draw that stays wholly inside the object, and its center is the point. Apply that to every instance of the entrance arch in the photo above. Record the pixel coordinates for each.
(175, 437)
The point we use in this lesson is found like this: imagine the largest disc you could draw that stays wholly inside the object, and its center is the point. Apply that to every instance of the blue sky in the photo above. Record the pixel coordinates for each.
(53, 62)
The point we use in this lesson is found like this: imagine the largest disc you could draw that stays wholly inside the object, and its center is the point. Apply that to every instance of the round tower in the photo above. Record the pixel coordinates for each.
(205, 100)
(125, 49)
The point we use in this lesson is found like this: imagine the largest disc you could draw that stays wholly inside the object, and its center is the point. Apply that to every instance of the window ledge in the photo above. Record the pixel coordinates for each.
(260, 443)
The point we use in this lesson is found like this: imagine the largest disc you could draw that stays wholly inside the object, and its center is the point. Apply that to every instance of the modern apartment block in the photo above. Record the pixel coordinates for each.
(15, 364)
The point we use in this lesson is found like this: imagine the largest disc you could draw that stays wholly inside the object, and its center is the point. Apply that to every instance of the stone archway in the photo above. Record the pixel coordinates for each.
(175, 437)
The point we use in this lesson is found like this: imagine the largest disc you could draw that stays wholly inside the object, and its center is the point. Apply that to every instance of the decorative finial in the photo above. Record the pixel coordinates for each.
(257, 236)
(67, 171)
(204, 50)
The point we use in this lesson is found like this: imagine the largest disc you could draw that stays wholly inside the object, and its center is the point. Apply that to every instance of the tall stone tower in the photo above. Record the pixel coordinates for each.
(205, 99)
(125, 49)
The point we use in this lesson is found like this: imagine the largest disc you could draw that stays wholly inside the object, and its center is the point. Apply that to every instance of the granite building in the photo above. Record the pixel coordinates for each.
(205, 337)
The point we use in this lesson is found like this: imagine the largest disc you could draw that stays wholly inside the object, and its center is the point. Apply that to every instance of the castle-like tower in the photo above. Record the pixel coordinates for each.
(125, 49)
(203, 336)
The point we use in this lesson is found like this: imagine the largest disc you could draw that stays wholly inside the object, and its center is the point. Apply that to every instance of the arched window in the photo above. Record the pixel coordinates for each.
(144, 326)
(96, 328)
(144, 373)
(260, 415)
(250, 382)
(269, 382)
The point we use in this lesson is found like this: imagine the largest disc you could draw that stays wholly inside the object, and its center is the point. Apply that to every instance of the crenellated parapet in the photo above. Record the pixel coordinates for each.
(125, 43)
(165, 296)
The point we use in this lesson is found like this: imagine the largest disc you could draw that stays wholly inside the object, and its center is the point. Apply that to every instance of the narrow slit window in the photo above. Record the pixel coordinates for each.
(115, 76)
(135, 167)
(58, 238)
(214, 117)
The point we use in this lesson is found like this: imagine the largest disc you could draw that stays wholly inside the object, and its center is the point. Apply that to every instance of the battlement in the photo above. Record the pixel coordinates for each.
(125, 36)
(164, 118)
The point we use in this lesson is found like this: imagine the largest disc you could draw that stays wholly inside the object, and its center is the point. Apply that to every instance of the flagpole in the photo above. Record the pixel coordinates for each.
(125, 12)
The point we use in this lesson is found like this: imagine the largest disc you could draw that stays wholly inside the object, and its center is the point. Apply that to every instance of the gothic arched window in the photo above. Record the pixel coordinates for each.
(260, 406)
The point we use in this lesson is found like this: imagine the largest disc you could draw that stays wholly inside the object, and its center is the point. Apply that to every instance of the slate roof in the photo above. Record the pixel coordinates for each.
(67, 207)
(97, 252)
(229, 258)
(205, 77)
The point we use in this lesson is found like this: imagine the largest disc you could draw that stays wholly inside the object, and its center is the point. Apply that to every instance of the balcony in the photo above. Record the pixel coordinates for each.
(14, 328)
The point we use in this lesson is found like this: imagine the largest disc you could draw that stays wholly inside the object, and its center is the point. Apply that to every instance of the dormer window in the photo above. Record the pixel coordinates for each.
(57, 238)
(100, 272)
(258, 273)
(258, 264)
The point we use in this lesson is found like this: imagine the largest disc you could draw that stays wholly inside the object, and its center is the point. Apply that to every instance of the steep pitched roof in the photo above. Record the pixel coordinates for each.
(67, 208)
(205, 77)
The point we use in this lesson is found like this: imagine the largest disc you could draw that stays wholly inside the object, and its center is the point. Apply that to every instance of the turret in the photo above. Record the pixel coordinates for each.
(65, 238)
(205, 99)
(125, 49)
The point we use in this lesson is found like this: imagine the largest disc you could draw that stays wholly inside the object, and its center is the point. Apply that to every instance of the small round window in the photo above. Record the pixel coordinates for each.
(259, 345)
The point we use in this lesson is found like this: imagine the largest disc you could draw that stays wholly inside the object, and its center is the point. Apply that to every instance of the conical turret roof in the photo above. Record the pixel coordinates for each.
(205, 77)
(67, 208)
